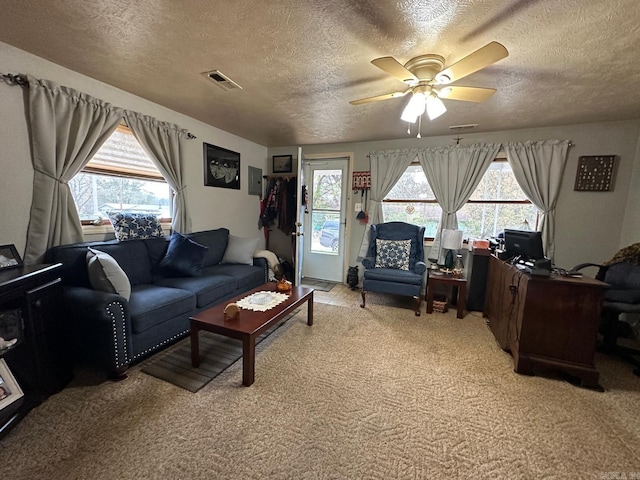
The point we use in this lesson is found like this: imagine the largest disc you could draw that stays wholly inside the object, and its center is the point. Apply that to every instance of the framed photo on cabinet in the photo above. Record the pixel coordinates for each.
(10, 391)
(9, 257)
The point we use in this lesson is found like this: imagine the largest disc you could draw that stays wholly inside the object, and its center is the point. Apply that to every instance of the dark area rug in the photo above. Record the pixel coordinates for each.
(217, 353)
(323, 285)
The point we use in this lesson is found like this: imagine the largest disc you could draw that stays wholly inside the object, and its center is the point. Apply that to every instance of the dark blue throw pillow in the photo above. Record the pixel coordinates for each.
(184, 257)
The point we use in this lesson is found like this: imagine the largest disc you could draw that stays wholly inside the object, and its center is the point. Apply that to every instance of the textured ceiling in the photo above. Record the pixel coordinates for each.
(301, 62)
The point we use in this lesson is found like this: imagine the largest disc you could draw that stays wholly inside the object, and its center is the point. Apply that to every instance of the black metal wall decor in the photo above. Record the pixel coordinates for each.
(595, 173)
(221, 167)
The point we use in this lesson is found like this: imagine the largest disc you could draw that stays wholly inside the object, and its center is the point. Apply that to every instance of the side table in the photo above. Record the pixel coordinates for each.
(459, 283)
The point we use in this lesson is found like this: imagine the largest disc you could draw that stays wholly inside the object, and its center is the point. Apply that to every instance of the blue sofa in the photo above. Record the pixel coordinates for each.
(112, 332)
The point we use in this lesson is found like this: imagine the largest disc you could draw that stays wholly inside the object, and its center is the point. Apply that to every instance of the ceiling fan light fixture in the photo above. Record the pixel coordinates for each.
(444, 92)
(414, 108)
(443, 79)
(435, 107)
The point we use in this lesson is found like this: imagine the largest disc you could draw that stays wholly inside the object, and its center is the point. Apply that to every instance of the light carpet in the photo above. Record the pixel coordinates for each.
(372, 393)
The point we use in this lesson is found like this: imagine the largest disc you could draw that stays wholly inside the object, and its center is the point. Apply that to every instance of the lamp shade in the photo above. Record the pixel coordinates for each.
(435, 107)
(452, 239)
(414, 108)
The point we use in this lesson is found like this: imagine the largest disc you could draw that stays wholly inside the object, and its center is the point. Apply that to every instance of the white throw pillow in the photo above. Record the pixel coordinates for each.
(106, 275)
(240, 250)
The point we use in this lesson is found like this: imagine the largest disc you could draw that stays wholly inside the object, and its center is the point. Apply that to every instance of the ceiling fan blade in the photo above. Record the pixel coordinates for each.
(395, 69)
(386, 96)
(481, 58)
(467, 94)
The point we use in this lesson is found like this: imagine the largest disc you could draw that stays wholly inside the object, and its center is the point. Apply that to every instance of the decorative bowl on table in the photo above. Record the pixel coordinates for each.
(283, 285)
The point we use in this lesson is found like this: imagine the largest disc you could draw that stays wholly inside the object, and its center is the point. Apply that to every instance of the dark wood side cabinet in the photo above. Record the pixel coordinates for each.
(41, 361)
(476, 265)
(547, 322)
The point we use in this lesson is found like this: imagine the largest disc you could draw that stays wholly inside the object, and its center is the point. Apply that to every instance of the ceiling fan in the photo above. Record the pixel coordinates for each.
(428, 81)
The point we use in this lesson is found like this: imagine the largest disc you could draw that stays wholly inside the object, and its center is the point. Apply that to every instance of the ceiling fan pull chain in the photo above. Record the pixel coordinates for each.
(419, 126)
(408, 128)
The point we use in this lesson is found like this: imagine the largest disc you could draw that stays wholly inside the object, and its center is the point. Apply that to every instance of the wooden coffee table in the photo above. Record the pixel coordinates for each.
(248, 326)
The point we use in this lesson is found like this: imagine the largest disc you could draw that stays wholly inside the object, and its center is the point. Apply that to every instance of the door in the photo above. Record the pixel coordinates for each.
(325, 226)
(301, 211)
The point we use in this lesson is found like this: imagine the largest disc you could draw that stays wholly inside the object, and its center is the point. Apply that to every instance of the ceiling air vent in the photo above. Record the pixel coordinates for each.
(222, 80)
(463, 127)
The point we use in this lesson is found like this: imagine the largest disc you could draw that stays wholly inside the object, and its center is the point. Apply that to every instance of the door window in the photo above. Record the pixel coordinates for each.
(325, 211)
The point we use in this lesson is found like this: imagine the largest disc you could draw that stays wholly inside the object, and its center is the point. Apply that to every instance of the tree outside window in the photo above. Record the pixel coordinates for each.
(497, 203)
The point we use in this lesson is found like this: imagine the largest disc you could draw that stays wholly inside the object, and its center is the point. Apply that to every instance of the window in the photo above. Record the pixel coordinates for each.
(497, 203)
(120, 178)
(325, 210)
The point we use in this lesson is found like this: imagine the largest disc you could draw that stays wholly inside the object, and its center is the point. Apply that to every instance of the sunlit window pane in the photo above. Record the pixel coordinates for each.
(477, 220)
(412, 185)
(97, 195)
(326, 232)
(423, 214)
(498, 183)
(120, 177)
(483, 220)
(327, 189)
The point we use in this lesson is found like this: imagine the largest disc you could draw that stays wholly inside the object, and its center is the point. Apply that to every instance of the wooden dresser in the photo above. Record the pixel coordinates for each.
(547, 322)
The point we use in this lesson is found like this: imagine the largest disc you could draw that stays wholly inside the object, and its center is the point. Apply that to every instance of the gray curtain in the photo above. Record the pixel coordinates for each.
(67, 128)
(453, 174)
(538, 167)
(163, 142)
(387, 167)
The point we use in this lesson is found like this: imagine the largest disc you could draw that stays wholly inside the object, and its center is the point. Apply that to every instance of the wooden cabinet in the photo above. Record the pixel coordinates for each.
(476, 265)
(549, 322)
(41, 361)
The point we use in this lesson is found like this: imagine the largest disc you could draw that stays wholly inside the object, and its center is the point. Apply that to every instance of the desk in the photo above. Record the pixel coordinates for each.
(460, 283)
(549, 322)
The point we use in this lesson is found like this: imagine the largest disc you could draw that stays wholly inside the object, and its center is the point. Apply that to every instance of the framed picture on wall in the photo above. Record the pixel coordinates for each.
(221, 167)
(282, 163)
(9, 257)
(10, 391)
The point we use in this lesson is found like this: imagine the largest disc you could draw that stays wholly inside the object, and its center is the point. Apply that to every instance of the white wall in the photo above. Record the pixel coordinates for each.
(590, 226)
(631, 225)
(210, 207)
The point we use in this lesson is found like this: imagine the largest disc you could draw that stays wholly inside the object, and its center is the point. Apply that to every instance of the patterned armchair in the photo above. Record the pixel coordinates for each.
(395, 261)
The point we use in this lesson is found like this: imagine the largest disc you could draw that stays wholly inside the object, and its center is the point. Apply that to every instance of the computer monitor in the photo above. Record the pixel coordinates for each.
(524, 244)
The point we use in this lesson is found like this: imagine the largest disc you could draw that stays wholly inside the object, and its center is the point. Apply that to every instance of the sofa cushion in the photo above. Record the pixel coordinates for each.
(130, 226)
(106, 275)
(208, 288)
(240, 250)
(184, 257)
(133, 257)
(246, 277)
(393, 275)
(622, 295)
(215, 240)
(156, 249)
(151, 305)
(393, 254)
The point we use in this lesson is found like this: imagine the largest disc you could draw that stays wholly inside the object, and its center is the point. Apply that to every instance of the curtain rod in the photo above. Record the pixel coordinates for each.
(21, 80)
(570, 145)
(11, 79)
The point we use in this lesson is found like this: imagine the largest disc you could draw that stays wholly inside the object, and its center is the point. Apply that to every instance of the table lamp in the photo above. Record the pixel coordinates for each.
(451, 240)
